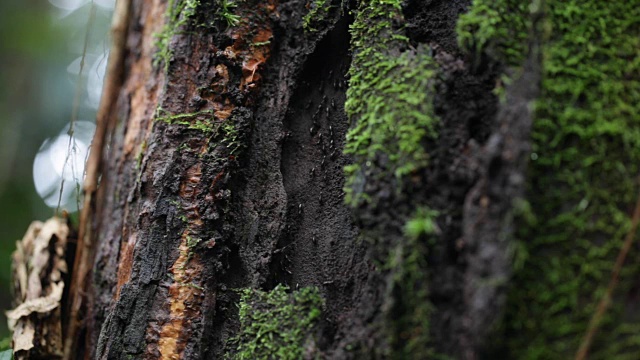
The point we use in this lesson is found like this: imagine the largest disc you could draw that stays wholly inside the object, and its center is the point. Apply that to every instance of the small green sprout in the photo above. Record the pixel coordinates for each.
(422, 223)
(226, 12)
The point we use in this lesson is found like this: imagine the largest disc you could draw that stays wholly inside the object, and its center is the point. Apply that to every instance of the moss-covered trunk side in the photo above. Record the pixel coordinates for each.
(582, 179)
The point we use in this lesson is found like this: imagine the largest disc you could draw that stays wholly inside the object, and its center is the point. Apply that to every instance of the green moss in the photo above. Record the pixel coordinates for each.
(202, 121)
(410, 311)
(140, 155)
(389, 98)
(499, 28)
(194, 285)
(225, 12)
(389, 103)
(319, 9)
(421, 224)
(261, 43)
(178, 14)
(275, 324)
(583, 178)
(192, 242)
(225, 131)
(231, 137)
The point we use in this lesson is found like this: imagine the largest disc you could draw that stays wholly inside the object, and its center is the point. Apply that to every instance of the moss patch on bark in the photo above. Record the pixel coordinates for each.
(318, 11)
(390, 107)
(276, 324)
(498, 28)
(411, 309)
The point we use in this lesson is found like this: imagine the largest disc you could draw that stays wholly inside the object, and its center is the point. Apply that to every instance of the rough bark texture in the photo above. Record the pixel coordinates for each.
(224, 177)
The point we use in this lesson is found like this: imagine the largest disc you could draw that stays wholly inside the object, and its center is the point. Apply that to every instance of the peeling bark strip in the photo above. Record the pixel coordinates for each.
(184, 293)
(117, 209)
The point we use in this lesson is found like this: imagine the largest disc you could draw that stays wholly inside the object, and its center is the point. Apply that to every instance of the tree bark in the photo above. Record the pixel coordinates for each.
(372, 156)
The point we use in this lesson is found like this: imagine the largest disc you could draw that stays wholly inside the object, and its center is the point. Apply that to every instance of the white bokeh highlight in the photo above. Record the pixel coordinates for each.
(95, 80)
(69, 5)
(95, 67)
(106, 4)
(59, 166)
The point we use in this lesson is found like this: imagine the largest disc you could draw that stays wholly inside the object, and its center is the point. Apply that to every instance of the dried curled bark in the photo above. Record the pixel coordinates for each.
(39, 267)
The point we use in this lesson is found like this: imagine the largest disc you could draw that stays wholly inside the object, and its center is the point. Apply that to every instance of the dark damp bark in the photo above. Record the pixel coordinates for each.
(221, 175)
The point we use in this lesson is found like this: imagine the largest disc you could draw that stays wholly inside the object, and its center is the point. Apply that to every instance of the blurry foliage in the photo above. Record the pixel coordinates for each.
(37, 44)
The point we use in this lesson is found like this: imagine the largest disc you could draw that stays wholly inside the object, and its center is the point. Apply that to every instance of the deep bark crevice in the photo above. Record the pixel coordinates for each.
(320, 247)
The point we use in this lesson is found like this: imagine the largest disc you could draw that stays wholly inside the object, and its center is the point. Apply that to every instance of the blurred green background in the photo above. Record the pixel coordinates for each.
(38, 45)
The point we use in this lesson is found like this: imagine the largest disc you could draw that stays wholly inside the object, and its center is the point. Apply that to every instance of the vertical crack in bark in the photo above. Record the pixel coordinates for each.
(319, 246)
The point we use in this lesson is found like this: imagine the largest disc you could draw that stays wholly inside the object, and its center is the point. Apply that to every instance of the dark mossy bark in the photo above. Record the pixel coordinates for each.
(345, 159)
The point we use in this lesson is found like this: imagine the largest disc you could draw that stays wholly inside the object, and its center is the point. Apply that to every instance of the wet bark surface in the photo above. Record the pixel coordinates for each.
(190, 210)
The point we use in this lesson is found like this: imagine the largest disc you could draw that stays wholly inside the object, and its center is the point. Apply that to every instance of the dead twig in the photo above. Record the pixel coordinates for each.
(106, 111)
(603, 305)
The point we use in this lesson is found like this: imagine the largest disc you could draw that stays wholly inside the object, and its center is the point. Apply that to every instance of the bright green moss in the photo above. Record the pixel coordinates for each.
(583, 181)
(390, 106)
(317, 13)
(388, 100)
(586, 137)
(231, 137)
(275, 324)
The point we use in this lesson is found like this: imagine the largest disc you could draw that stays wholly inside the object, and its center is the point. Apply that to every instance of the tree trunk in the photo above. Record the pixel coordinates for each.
(349, 180)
